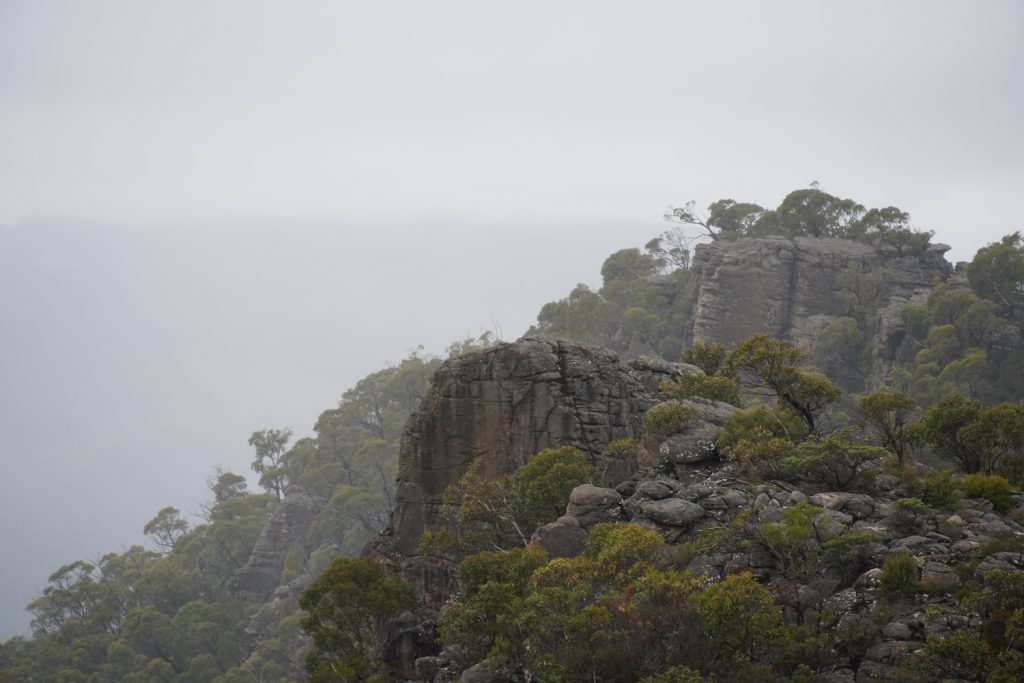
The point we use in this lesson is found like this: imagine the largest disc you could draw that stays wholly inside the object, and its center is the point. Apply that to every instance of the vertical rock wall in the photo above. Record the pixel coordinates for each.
(793, 288)
(500, 406)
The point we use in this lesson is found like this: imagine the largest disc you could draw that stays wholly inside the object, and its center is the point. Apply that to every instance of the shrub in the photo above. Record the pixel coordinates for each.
(490, 585)
(772, 366)
(991, 486)
(542, 486)
(760, 458)
(711, 387)
(740, 615)
(666, 419)
(708, 356)
(836, 460)
(787, 541)
(803, 674)
(997, 437)
(939, 489)
(899, 576)
(847, 553)
(675, 674)
(941, 426)
(758, 424)
(961, 655)
(906, 513)
(485, 513)
(624, 448)
(758, 438)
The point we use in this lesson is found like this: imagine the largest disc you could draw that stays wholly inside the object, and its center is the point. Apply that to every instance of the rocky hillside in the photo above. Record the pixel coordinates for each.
(871, 636)
(603, 490)
(498, 406)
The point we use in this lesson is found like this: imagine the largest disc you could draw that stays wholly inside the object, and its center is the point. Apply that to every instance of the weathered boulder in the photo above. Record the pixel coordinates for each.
(592, 505)
(858, 505)
(486, 672)
(696, 444)
(952, 526)
(563, 537)
(656, 489)
(938, 577)
(674, 512)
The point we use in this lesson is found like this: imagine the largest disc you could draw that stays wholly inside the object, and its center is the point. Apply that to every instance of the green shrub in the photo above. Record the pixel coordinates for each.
(623, 449)
(541, 487)
(836, 460)
(803, 674)
(711, 387)
(939, 489)
(847, 553)
(906, 514)
(708, 356)
(760, 458)
(787, 541)
(961, 654)
(759, 438)
(899, 576)
(991, 486)
(760, 423)
(675, 674)
(666, 419)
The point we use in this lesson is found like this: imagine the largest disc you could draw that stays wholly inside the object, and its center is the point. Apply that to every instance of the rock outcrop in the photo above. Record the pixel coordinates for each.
(500, 406)
(258, 578)
(793, 288)
(873, 636)
(497, 407)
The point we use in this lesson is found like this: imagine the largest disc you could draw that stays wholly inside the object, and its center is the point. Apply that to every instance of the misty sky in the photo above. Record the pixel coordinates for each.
(215, 217)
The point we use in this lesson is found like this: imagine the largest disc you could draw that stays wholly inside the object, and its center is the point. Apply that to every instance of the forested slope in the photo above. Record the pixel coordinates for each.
(835, 463)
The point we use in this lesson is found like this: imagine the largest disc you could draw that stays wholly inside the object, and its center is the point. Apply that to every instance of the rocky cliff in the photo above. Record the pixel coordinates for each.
(496, 408)
(792, 288)
(499, 406)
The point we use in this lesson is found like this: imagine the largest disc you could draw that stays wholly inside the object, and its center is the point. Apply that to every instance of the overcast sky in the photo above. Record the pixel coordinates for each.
(215, 217)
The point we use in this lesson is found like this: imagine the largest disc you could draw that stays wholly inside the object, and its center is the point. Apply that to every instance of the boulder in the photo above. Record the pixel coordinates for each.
(590, 496)
(937, 577)
(656, 489)
(591, 505)
(563, 537)
(485, 672)
(696, 444)
(673, 512)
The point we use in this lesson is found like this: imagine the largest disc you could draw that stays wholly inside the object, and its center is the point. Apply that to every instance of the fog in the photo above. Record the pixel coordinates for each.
(215, 217)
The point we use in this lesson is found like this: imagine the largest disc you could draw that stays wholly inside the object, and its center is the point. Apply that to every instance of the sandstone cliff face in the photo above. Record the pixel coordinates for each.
(792, 288)
(500, 406)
